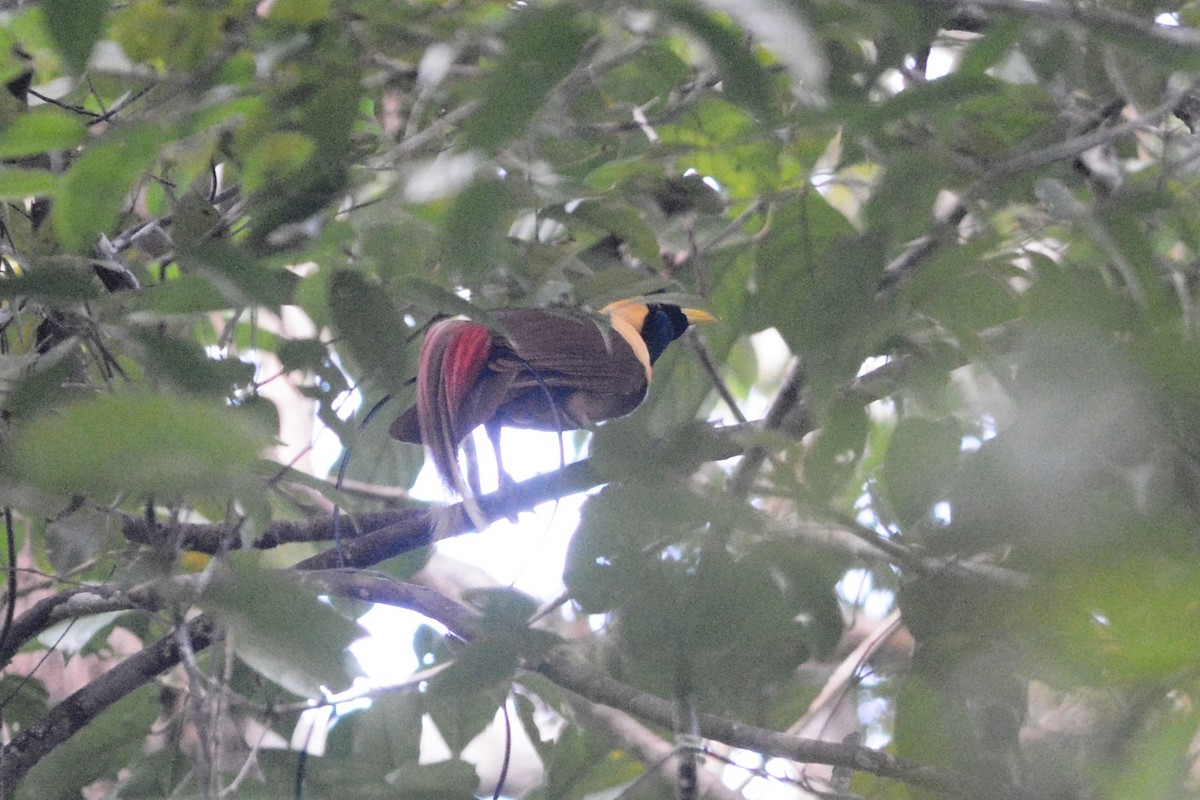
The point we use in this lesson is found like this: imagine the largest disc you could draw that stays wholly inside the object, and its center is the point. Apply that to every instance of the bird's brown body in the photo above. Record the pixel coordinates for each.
(550, 370)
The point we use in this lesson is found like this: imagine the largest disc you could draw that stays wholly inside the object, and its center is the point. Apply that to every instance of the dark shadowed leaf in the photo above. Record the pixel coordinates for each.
(922, 458)
(543, 44)
(370, 327)
(75, 26)
(97, 751)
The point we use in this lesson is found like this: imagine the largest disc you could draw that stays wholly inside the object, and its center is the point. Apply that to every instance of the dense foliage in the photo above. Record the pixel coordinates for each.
(954, 253)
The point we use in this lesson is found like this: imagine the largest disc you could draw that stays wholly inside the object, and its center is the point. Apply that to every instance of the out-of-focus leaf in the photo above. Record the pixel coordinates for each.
(76, 538)
(829, 463)
(51, 283)
(438, 781)
(585, 765)
(237, 275)
(17, 183)
(474, 229)
(1154, 768)
(25, 700)
(621, 220)
(463, 712)
(388, 734)
(75, 26)
(784, 31)
(816, 285)
(302, 654)
(543, 44)
(185, 295)
(606, 558)
(1106, 616)
(42, 385)
(301, 12)
(41, 130)
(95, 186)
(159, 445)
(184, 364)
(746, 80)
(432, 296)
(370, 326)
(921, 459)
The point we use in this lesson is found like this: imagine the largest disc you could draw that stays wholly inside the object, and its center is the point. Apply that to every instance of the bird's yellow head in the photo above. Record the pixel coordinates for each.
(650, 327)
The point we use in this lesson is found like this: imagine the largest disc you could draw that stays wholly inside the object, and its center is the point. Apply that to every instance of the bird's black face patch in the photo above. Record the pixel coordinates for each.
(663, 325)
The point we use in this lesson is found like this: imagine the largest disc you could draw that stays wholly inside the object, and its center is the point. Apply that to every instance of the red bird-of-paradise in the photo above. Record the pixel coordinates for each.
(550, 369)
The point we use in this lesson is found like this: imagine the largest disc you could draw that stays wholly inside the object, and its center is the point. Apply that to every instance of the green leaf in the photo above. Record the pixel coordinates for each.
(921, 460)
(781, 28)
(240, 277)
(75, 539)
(746, 80)
(624, 221)
(184, 364)
(24, 700)
(75, 26)
(283, 630)
(388, 734)
(543, 44)
(40, 130)
(17, 183)
(370, 327)
(51, 283)
(474, 229)
(94, 189)
(159, 445)
(585, 764)
(186, 295)
(816, 285)
(439, 781)
(431, 296)
(301, 12)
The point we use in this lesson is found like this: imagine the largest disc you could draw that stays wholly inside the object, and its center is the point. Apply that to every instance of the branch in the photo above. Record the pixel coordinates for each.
(597, 687)
(644, 745)
(69, 716)
(367, 539)
(76, 602)
(1093, 18)
(945, 229)
(373, 587)
(789, 396)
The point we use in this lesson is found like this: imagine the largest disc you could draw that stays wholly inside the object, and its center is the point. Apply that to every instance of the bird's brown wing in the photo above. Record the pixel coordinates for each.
(568, 349)
(568, 370)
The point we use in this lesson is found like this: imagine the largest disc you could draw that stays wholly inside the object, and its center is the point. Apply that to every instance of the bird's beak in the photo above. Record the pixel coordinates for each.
(696, 316)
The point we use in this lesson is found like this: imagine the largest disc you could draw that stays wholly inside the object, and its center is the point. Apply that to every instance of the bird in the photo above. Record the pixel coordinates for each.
(552, 369)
